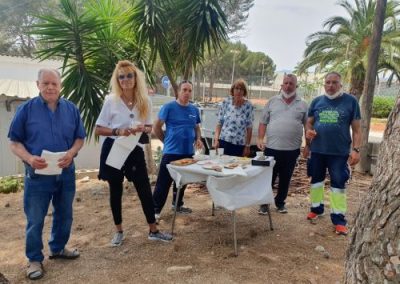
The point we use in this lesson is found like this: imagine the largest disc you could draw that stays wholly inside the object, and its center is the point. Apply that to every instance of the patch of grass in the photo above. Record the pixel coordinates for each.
(10, 184)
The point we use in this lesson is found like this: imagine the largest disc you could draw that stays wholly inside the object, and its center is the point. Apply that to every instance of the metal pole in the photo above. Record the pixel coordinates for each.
(270, 218)
(233, 66)
(262, 77)
(204, 89)
(176, 208)
(234, 232)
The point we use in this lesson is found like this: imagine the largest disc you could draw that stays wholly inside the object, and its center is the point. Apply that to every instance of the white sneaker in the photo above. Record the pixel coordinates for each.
(117, 239)
(158, 217)
(158, 236)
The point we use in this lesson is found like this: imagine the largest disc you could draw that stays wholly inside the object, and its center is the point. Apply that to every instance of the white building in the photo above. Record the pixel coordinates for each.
(18, 83)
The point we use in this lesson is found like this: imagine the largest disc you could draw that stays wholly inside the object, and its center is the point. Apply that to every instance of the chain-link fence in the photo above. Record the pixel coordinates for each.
(206, 90)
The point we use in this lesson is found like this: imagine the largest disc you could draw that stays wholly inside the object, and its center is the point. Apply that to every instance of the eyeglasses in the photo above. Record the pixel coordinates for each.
(127, 76)
(185, 82)
(238, 89)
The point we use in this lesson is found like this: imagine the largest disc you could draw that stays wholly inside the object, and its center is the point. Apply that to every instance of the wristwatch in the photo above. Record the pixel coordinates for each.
(356, 150)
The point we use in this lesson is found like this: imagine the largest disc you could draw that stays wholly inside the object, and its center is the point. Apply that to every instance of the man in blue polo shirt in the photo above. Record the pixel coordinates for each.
(182, 131)
(333, 148)
(51, 123)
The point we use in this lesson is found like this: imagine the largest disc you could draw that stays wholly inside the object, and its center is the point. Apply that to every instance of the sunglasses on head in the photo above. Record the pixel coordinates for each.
(184, 82)
(128, 76)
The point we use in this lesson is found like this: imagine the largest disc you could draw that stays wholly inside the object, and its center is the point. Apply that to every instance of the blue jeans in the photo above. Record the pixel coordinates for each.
(339, 174)
(164, 181)
(39, 190)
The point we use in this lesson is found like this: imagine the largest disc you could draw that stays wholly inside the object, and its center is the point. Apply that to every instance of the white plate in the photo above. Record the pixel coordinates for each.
(204, 162)
(201, 157)
(208, 166)
(212, 167)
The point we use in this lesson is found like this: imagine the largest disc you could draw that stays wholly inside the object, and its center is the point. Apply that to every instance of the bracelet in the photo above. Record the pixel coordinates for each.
(115, 132)
(247, 145)
(357, 150)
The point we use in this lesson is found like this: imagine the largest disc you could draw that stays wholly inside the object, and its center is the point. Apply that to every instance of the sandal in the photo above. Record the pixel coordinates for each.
(35, 270)
(65, 254)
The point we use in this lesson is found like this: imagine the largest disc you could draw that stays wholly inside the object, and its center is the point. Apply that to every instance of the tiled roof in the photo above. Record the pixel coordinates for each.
(22, 89)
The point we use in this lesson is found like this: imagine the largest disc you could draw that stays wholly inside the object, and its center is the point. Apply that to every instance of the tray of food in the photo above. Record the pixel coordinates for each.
(231, 165)
(201, 157)
(212, 167)
(242, 160)
(183, 162)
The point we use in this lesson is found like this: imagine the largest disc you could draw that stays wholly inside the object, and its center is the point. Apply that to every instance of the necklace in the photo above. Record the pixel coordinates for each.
(127, 101)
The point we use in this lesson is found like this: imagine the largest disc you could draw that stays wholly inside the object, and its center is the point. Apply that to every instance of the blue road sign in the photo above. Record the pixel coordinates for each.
(165, 82)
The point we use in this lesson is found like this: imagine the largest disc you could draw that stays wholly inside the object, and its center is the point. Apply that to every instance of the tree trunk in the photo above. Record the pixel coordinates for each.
(357, 85)
(373, 255)
(369, 85)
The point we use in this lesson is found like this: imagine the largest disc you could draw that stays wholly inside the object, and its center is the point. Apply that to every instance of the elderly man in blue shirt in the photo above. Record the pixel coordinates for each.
(51, 123)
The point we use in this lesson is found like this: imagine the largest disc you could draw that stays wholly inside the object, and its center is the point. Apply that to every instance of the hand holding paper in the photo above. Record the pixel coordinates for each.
(52, 159)
(37, 162)
(66, 160)
(121, 149)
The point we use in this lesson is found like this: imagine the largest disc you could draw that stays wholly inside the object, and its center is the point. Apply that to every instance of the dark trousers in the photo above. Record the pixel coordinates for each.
(285, 161)
(339, 173)
(135, 171)
(231, 149)
(164, 181)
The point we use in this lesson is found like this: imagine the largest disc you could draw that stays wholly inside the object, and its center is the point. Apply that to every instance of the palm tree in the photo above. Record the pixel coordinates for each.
(344, 45)
(91, 38)
(179, 32)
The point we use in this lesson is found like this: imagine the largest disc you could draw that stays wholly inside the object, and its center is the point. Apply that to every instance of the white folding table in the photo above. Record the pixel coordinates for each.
(231, 189)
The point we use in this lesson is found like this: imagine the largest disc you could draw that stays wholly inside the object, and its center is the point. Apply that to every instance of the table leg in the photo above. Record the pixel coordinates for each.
(175, 209)
(234, 232)
(269, 217)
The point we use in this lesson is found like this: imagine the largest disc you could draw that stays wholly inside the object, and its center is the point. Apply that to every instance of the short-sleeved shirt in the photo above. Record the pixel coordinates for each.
(235, 121)
(285, 123)
(180, 127)
(115, 114)
(38, 128)
(332, 120)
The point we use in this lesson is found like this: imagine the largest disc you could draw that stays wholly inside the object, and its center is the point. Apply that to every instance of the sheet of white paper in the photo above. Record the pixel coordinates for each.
(121, 149)
(129, 142)
(52, 163)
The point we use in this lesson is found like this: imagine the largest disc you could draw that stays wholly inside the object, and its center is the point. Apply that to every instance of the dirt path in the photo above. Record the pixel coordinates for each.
(203, 243)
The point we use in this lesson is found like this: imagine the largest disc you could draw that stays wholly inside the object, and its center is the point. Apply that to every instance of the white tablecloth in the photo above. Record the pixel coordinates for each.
(231, 189)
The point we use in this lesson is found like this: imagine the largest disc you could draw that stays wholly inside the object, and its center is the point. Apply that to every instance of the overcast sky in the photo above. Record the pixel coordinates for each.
(279, 28)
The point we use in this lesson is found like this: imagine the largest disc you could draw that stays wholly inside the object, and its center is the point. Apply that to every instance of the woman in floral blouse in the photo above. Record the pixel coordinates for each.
(235, 121)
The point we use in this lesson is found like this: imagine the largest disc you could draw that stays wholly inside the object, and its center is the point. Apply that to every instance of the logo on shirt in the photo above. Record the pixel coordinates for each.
(329, 116)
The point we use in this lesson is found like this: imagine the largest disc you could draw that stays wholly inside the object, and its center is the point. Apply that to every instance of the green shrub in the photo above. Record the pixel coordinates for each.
(10, 184)
(382, 106)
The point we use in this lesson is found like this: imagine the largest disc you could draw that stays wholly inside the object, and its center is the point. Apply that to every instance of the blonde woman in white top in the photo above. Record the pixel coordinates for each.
(127, 111)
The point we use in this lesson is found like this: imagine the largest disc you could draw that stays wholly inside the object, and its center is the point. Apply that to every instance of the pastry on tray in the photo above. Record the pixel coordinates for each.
(183, 162)
(212, 167)
(231, 165)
